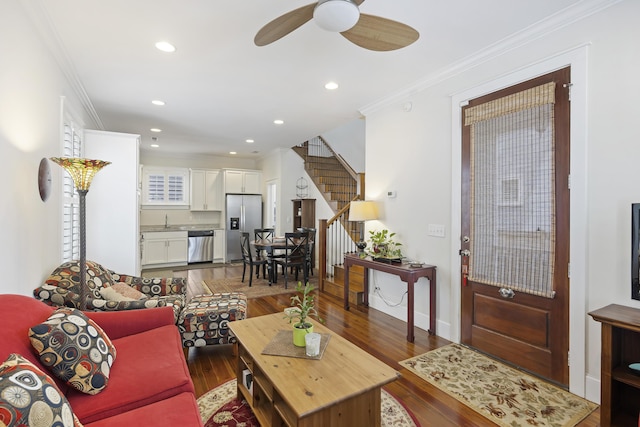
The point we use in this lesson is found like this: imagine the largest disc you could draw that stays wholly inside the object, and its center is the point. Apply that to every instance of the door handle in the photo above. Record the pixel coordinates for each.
(465, 252)
(507, 293)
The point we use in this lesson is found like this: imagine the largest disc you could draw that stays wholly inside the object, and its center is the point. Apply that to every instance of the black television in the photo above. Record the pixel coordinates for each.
(635, 251)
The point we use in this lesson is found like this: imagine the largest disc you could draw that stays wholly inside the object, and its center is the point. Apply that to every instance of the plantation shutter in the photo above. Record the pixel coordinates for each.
(70, 202)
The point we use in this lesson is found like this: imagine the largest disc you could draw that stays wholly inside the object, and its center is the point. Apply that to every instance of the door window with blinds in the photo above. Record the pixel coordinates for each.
(72, 144)
(512, 191)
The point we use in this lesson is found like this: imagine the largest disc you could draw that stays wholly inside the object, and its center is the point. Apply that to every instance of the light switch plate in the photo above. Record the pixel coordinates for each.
(436, 230)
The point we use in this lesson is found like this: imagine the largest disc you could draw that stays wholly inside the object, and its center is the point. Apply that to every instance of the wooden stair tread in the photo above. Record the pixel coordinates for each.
(337, 290)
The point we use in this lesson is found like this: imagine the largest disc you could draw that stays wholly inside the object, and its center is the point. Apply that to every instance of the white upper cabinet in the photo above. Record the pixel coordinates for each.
(242, 181)
(165, 186)
(206, 190)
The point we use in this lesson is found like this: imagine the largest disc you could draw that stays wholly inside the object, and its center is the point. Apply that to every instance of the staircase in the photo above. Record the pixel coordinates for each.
(340, 185)
(329, 175)
(336, 180)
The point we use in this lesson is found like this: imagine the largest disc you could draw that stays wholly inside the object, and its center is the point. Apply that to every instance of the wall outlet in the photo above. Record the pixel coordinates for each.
(436, 230)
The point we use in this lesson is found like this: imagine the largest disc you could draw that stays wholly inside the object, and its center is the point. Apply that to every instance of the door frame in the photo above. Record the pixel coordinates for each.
(577, 59)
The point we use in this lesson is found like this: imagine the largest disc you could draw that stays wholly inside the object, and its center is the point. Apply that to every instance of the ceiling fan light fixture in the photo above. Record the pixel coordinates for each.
(336, 15)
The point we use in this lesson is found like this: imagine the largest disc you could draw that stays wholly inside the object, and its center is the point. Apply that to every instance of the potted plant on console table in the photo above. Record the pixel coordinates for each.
(383, 247)
(300, 309)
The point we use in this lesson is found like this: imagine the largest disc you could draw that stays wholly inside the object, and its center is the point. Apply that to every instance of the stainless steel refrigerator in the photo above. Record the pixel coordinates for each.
(243, 213)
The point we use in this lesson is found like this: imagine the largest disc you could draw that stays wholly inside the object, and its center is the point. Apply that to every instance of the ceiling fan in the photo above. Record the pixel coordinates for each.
(343, 16)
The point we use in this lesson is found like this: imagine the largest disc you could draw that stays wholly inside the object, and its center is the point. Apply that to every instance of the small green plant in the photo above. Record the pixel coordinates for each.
(382, 245)
(304, 306)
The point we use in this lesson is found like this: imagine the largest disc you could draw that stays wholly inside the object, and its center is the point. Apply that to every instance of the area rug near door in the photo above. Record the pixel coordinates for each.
(259, 288)
(502, 394)
(220, 407)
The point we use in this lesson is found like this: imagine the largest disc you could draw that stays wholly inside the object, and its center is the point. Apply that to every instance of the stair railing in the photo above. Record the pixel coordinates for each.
(337, 237)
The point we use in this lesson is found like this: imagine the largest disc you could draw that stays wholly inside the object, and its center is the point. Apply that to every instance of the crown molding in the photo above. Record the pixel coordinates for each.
(49, 35)
(552, 23)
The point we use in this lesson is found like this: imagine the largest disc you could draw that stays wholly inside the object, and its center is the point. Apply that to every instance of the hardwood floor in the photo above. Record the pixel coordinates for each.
(377, 333)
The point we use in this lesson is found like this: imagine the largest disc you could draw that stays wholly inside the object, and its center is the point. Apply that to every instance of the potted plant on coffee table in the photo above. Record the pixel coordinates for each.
(302, 306)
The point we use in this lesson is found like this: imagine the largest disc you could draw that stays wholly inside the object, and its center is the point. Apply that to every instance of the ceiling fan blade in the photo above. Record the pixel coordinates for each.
(380, 34)
(283, 25)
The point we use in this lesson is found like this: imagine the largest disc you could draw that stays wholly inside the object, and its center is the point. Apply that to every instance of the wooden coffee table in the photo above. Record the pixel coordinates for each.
(340, 389)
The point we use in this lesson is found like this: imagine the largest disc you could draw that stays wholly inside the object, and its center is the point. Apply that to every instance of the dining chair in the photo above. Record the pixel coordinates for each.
(295, 256)
(263, 234)
(248, 259)
(311, 252)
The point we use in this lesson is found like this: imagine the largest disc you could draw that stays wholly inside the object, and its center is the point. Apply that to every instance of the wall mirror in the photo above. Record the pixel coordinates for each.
(635, 250)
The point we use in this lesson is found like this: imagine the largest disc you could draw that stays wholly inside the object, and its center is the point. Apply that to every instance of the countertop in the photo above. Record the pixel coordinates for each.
(179, 227)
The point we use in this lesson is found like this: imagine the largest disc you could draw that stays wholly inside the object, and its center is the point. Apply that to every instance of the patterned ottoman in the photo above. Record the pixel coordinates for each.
(203, 321)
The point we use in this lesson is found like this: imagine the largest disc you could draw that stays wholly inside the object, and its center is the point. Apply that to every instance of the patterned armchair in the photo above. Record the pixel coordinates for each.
(62, 288)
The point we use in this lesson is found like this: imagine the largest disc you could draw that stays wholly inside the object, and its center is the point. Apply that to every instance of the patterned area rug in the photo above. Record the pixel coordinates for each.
(259, 288)
(502, 394)
(220, 407)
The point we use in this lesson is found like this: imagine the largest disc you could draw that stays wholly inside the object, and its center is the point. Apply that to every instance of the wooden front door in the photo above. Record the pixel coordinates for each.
(515, 225)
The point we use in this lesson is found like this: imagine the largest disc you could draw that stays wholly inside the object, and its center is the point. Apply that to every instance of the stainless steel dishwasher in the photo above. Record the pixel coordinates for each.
(200, 246)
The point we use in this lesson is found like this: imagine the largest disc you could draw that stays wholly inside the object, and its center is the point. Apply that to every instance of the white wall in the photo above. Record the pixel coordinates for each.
(421, 141)
(202, 161)
(31, 85)
(349, 141)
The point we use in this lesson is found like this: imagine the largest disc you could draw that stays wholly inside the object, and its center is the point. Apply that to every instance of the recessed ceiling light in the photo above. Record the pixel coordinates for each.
(165, 47)
(331, 86)
(157, 102)
(278, 122)
(249, 141)
(154, 146)
(155, 130)
(232, 152)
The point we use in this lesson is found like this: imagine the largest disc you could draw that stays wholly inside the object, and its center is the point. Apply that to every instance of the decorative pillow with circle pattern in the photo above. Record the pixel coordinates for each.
(75, 349)
(67, 276)
(29, 397)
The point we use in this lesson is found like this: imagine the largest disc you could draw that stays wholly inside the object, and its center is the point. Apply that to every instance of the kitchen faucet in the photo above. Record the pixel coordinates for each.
(166, 221)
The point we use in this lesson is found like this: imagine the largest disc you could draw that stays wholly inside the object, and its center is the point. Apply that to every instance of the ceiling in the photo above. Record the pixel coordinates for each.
(220, 89)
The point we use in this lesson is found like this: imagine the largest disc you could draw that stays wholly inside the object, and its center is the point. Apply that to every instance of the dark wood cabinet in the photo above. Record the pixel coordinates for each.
(619, 385)
(304, 213)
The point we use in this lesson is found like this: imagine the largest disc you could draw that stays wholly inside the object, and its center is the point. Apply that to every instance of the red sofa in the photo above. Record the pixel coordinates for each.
(149, 383)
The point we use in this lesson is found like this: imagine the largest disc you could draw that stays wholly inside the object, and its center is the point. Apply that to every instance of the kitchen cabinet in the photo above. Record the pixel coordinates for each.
(242, 181)
(166, 248)
(113, 203)
(206, 190)
(218, 246)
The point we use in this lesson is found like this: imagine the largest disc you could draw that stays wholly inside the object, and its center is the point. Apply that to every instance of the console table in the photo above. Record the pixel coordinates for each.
(407, 274)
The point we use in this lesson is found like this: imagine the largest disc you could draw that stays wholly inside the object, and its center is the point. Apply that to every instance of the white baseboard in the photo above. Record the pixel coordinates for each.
(592, 389)
(421, 320)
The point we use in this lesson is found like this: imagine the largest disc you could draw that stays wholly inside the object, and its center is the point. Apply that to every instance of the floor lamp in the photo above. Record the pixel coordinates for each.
(362, 211)
(82, 172)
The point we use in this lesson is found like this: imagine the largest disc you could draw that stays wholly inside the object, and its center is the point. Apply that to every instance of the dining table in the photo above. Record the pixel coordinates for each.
(270, 246)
